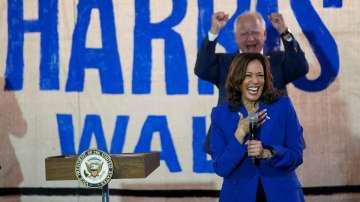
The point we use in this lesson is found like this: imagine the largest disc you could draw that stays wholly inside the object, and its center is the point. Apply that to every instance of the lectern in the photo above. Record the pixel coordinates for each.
(126, 165)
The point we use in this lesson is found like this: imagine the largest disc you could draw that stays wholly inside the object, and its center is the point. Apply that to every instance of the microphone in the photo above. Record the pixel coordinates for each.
(253, 117)
(252, 125)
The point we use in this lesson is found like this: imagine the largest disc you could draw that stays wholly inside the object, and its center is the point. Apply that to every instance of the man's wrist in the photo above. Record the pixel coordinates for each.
(286, 35)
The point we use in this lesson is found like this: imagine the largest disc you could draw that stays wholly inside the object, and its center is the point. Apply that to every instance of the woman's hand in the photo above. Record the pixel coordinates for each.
(243, 124)
(255, 148)
(262, 116)
(242, 128)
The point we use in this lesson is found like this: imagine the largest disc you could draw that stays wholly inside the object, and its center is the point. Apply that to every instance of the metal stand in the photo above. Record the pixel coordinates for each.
(105, 193)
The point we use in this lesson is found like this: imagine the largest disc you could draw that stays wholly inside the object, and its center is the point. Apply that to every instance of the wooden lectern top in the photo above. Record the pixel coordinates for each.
(127, 165)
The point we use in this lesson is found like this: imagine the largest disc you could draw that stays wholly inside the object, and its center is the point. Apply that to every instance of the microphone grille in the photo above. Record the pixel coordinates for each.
(253, 117)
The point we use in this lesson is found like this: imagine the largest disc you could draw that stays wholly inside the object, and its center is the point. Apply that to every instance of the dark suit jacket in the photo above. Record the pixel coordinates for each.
(282, 133)
(286, 66)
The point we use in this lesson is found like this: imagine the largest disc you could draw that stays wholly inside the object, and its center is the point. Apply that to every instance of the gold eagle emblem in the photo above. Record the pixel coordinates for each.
(94, 168)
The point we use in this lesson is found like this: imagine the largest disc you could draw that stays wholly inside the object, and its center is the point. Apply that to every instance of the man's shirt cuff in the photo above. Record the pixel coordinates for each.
(212, 36)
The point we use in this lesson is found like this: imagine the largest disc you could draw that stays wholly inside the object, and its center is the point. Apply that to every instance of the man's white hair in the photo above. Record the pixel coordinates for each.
(252, 13)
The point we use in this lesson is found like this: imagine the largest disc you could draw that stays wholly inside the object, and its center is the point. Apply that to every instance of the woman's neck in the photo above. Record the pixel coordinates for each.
(251, 107)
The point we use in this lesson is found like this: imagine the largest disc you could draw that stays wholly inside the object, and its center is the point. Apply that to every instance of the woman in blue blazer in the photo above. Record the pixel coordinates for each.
(262, 169)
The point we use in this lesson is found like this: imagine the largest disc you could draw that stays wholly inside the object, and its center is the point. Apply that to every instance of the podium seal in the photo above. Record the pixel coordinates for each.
(94, 168)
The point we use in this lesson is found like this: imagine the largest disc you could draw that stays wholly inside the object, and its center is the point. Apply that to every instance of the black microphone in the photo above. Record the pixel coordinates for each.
(252, 128)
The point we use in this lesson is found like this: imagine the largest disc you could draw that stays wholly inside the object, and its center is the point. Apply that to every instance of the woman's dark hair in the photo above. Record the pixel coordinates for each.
(237, 74)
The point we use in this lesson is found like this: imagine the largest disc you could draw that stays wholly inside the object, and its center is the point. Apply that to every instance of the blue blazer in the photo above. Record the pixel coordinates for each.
(282, 133)
(286, 66)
